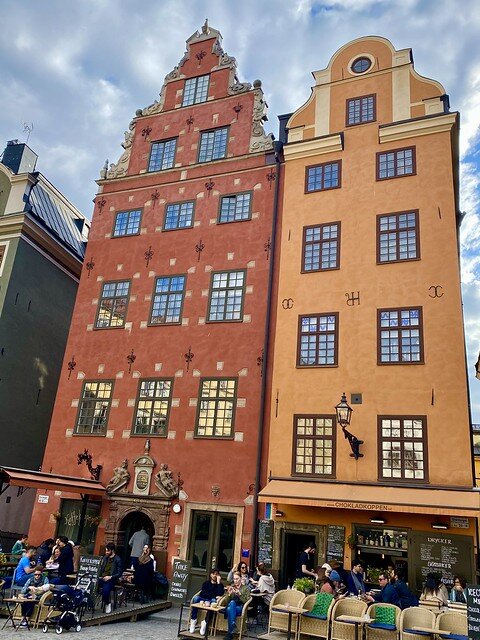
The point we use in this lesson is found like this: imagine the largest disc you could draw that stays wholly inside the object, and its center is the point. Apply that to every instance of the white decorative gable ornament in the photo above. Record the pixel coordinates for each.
(143, 466)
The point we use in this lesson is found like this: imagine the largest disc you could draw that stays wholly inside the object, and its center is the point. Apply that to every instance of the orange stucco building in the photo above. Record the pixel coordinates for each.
(369, 304)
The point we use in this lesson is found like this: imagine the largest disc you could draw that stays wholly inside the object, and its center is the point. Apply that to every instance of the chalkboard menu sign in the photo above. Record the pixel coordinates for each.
(88, 569)
(473, 611)
(442, 553)
(179, 581)
(265, 542)
(335, 542)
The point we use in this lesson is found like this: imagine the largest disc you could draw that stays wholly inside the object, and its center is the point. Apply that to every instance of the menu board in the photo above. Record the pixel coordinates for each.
(88, 568)
(180, 578)
(335, 542)
(445, 554)
(265, 542)
(473, 611)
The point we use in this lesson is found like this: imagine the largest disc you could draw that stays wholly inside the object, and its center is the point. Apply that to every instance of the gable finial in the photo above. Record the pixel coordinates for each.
(205, 28)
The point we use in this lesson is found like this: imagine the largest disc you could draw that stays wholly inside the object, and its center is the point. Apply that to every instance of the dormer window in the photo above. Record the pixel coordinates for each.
(195, 91)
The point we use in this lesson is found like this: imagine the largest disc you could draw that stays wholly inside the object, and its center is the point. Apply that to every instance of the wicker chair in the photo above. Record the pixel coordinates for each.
(375, 633)
(279, 620)
(416, 617)
(346, 607)
(220, 623)
(454, 623)
(316, 627)
(41, 610)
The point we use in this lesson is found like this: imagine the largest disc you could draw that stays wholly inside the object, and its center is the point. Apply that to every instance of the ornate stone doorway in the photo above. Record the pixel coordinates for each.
(132, 522)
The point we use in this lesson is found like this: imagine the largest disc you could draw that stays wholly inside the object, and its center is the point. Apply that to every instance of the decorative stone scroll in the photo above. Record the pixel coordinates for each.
(121, 167)
(259, 140)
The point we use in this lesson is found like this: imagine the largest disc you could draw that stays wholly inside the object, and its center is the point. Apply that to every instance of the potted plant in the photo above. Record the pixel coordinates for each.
(305, 585)
(351, 541)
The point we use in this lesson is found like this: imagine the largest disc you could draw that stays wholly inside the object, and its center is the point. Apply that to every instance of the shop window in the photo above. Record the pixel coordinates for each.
(402, 442)
(397, 237)
(216, 407)
(321, 247)
(314, 445)
(112, 308)
(317, 340)
(396, 163)
(153, 407)
(400, 336)
(68, 523)
(380, 549)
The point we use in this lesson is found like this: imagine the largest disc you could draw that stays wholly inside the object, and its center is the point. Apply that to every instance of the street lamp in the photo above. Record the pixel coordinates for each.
(344, 414)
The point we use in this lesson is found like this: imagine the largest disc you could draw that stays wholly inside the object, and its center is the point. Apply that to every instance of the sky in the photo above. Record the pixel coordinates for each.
(78, 70)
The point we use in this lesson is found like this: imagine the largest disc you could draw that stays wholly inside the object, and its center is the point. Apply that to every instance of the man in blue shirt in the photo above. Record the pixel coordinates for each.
(388, 594)
(24, 568)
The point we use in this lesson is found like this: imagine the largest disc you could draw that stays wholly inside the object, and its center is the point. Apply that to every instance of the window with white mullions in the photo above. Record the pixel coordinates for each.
(314, 445)
(397, 237)
(216, 407)
(94, 408)
(168, 300)
(226, 296)
(213, 145)
(112, 308)
(317, 340)
(321, 249)
(153, 407)
(396, 164)
(196, 90)
(162, 155)
(400, 336)
(127, 223)
(235, 208)
(178, 216)
(402, 448)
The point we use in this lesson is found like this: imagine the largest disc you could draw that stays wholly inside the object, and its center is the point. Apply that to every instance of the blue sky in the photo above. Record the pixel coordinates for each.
(79, 70)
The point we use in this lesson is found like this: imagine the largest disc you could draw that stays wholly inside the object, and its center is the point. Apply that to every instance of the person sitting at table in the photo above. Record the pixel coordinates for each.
(24, 567)
(433, 590)
(109, 573)
(339, 587)
(457, 594)
(323, 582)
(44, 551)
(242, 569)
(407, 598)
(265, 585)
(144, 573)
(238, 594)
(34, 587)
(355, 584)
(20, 545)
(212, 590)
(65, 561)
(388, 593)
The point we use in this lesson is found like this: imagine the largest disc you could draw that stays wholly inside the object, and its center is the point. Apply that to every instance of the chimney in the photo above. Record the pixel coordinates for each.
(19, 158)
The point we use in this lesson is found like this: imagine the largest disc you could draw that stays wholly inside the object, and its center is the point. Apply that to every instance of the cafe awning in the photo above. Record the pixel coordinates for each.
(43, 481)
(373, 497)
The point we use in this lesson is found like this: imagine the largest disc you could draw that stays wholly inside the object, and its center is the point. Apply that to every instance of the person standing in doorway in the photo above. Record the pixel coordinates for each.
(137, 542)
(305, 562)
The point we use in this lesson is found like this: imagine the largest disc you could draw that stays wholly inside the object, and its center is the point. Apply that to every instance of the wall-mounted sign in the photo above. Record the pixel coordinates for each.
(43, 499)
(457, 522)
(265, 542)
(335, 542)
(473, 611)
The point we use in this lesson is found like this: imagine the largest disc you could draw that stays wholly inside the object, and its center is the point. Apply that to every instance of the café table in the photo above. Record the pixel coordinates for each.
(291, 611)
(356, 620)
(11, 611)
(214, 608)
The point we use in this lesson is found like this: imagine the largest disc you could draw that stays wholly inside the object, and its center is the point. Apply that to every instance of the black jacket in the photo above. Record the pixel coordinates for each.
(65, 560)
(210, 590)
(117, 568)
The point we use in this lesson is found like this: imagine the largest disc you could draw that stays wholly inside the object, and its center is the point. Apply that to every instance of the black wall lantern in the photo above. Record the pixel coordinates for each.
(344, 415)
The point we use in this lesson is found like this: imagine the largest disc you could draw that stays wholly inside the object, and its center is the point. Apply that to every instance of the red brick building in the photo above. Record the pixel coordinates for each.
(162, 376)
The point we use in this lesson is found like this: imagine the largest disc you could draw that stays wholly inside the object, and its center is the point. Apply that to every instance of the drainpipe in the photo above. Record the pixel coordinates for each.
(278, 146)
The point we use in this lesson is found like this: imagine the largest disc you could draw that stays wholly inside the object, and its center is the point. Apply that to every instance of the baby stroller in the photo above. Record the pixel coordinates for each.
(67, 609)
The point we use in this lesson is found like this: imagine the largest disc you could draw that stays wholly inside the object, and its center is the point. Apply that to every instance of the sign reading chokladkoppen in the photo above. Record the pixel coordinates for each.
(180, 579)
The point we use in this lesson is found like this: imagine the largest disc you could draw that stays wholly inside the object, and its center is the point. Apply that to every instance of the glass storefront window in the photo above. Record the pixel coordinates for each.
(69, 522)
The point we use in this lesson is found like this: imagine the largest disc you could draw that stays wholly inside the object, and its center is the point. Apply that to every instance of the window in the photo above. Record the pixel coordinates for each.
(162, 155)
(396, 164)
(213, 145)
(403, 448)
(235, 208)
(323, 176)
(94, 408)
(178, 216)
(168, 300)
(226, 296)
(321, 247)
(216, 407)
(196, 90)
(127, 223)
(153, 407)
(360, 65)
(314, 445)
(112, 308)
(400, 336)
(397, 237)
(361, 110)
(317, 340)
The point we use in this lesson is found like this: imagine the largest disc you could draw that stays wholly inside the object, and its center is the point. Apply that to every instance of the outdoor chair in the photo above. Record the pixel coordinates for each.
(432, 605)
(220, 623)
(416, 617)
(381, 629)
(454, 623)
(315, 625)
(346, 607)
(41, 610)
(278, 620)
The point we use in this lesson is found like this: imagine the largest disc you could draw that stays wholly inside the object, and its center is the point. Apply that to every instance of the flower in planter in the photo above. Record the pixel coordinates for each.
(305, 585)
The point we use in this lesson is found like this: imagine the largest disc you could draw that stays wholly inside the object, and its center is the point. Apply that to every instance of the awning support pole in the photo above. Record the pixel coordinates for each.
(83, 515)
